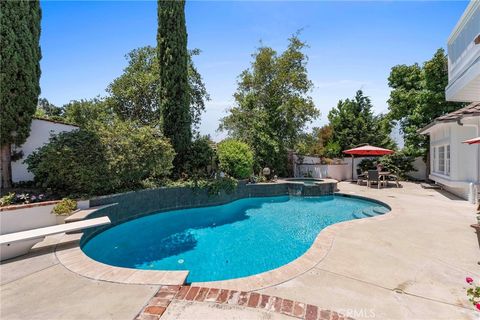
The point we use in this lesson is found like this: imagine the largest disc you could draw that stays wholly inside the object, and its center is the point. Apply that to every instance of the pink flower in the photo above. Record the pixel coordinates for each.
(477, 305)
(469, 280)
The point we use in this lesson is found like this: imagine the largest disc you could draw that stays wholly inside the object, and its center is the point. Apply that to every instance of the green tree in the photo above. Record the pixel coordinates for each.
(272, 104)
(48, 110)
(88, 113)
(200, 157)
(418, 97)
(134, 95)
(173, 80)
(353, 123)
(19, 76)
(315, 143)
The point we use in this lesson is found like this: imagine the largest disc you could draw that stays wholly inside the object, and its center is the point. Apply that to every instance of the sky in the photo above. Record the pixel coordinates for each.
(352, 44)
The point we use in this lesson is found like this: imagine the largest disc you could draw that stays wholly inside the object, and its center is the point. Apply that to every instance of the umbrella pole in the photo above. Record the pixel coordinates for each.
(353, 158)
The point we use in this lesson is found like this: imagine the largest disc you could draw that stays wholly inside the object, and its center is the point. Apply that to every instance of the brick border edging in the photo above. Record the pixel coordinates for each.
(159, 303)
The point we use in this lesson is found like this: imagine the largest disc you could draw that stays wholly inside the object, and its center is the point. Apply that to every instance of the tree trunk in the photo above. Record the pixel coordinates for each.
(6, 166)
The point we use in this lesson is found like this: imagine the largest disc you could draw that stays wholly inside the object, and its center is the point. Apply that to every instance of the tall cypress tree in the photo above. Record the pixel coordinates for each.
(19, 76)
(173, 60)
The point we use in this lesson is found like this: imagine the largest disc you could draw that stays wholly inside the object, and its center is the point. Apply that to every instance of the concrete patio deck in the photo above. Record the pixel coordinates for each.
(410, 265)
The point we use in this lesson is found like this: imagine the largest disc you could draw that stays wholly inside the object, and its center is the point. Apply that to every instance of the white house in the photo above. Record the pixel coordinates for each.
(453, 164)
(464, 57)
(40, 132)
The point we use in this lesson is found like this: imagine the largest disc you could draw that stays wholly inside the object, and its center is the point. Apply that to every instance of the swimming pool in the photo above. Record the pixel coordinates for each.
(238, 239)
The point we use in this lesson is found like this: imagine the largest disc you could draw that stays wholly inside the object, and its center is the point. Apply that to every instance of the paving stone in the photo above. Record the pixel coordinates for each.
(233, 297)
(155, 301)
(192, 293)
(299, 309)
(277, 304)
(182, 293)
(311, 313)
(145, 316)
(155, 310)
(243, 299)
(165, 295)
(202, 293)
(254, 299)
(212, 295)
(223, 296)
(264, 301)
(287, 306)
(325, 315)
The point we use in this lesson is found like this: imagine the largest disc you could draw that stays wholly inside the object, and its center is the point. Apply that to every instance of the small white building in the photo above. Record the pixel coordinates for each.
(40, 132)
(453, 164)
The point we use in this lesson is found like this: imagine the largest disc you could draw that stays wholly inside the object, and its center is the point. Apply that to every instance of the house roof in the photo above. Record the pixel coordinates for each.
(473, 109)
(55, 121)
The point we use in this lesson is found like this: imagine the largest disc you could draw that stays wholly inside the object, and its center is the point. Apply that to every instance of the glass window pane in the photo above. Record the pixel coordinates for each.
(441, 159)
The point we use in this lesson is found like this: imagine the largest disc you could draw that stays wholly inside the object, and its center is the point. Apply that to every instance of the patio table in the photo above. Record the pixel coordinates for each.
(383, 175)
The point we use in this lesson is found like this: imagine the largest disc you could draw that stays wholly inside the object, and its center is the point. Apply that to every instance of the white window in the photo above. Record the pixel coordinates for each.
(447, 161)
(441, 159)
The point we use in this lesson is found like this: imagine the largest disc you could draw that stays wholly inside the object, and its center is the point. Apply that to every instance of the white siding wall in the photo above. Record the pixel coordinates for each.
(40, 132)
(464, 158)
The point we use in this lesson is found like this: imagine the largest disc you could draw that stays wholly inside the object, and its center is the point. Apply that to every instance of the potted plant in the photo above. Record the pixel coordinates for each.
(64, 208)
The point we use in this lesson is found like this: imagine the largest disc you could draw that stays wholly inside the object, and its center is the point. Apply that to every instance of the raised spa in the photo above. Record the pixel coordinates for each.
(238, 239)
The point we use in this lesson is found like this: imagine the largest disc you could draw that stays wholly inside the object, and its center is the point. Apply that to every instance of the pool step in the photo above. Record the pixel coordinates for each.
(359, 215)
(380, 210)
(369, 212)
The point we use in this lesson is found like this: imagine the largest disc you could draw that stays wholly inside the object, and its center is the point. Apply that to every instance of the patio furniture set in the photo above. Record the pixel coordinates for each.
(378, 177)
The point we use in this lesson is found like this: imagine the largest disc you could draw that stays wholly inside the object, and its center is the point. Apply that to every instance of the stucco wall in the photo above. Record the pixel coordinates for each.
(27, 218)
(40, 132)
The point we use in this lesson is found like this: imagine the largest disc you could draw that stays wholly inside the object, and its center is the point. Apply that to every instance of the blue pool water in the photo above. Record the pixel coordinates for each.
(242, 238)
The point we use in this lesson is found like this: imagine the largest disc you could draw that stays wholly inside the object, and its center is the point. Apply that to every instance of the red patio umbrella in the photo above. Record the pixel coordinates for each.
(367, 151)
(472, 141)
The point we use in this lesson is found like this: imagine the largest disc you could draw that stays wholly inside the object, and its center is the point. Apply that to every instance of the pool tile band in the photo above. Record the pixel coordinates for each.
(137, 204)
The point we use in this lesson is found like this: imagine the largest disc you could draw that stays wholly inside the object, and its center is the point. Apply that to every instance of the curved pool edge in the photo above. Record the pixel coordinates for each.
(75, 260)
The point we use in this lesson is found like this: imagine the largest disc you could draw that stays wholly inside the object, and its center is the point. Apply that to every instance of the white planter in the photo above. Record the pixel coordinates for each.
(21, 218)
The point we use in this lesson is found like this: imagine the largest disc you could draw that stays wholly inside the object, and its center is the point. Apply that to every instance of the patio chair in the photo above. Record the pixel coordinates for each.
(393, 178)
(373, 176)
(361, 176)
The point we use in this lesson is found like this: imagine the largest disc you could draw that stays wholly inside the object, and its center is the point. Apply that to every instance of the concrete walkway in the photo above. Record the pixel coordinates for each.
(423, 252)
(38, 287)
(410, 266)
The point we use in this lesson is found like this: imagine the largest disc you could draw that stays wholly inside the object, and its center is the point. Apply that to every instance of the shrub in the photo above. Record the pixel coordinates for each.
(64, 207)
(200, 157)
(116, 157)
(367, 164)
(72, 163)
(135, 154)
(235, 158)
(7, 199)
(399, 163)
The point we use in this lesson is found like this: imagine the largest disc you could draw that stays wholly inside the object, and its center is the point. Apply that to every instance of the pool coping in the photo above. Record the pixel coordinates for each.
(75, 260)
